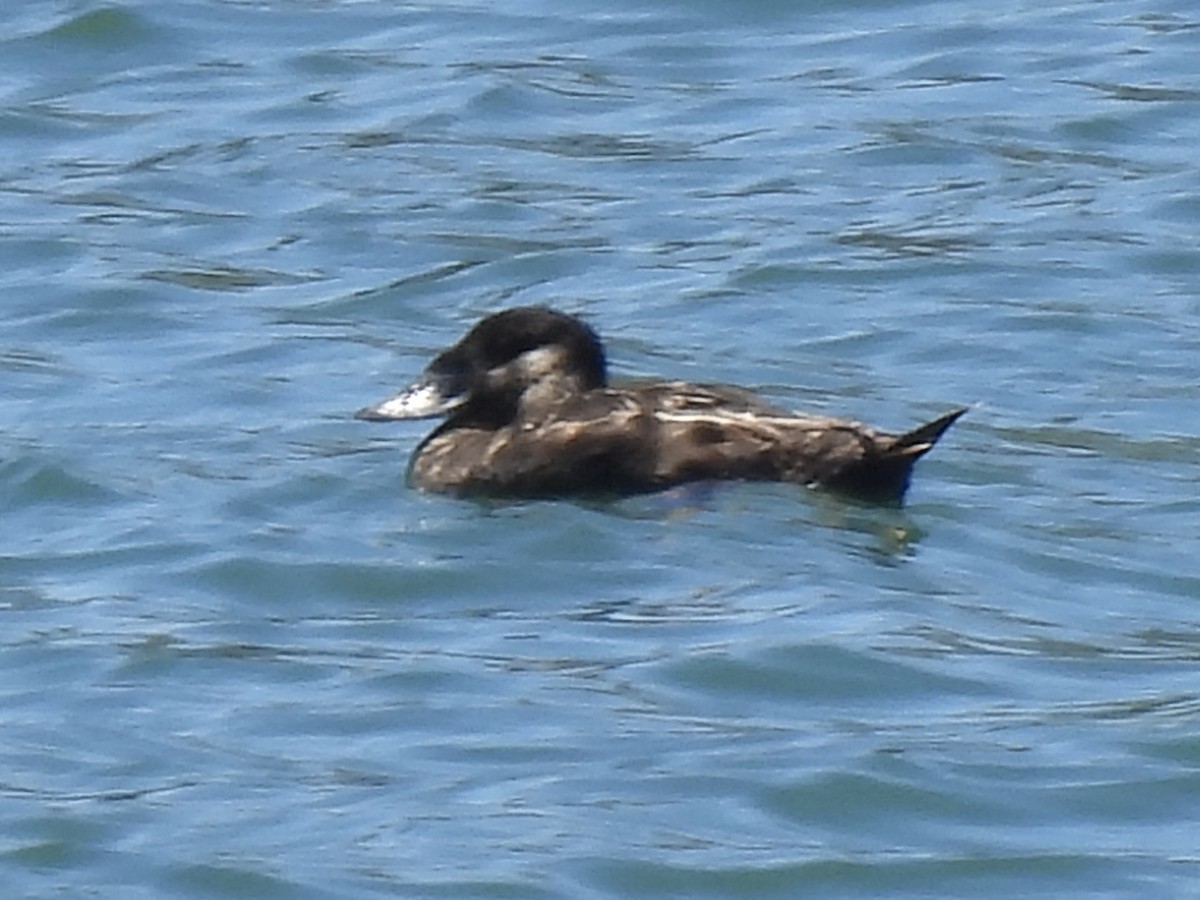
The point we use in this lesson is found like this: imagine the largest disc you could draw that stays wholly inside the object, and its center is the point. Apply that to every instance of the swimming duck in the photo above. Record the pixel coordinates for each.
(529, 412)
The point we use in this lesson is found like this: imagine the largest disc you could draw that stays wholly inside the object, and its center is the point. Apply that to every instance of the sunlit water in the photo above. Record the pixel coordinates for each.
(241, 659)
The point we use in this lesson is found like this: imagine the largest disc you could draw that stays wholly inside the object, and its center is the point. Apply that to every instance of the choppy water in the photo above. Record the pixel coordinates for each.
(240, 659)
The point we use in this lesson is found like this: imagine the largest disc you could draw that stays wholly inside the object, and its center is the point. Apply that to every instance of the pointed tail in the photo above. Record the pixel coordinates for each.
(920, 440)
(882, 476)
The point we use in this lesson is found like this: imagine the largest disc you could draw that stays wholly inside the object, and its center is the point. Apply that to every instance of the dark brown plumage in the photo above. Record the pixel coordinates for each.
(530, 413)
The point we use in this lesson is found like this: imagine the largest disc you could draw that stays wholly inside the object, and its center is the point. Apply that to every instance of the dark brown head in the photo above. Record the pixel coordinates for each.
(506, 357)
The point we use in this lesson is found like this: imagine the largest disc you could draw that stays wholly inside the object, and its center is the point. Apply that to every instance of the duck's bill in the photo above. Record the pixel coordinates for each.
(425, 399)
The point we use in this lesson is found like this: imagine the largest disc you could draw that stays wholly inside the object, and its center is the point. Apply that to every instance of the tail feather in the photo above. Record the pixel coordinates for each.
(883, 475)
(921, 439)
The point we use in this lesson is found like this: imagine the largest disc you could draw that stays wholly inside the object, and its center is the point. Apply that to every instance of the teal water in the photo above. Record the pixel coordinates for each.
(240, 659)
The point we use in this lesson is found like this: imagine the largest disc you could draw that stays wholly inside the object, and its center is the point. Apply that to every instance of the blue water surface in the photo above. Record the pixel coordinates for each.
(240, 658)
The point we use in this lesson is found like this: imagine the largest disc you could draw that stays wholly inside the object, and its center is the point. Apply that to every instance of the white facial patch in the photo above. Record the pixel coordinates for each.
(535, 365)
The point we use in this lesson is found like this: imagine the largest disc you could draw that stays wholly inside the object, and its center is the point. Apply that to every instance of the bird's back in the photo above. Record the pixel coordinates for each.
(653, 435)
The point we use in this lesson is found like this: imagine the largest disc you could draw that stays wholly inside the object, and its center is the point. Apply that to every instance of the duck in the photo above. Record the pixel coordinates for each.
(529, 412)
